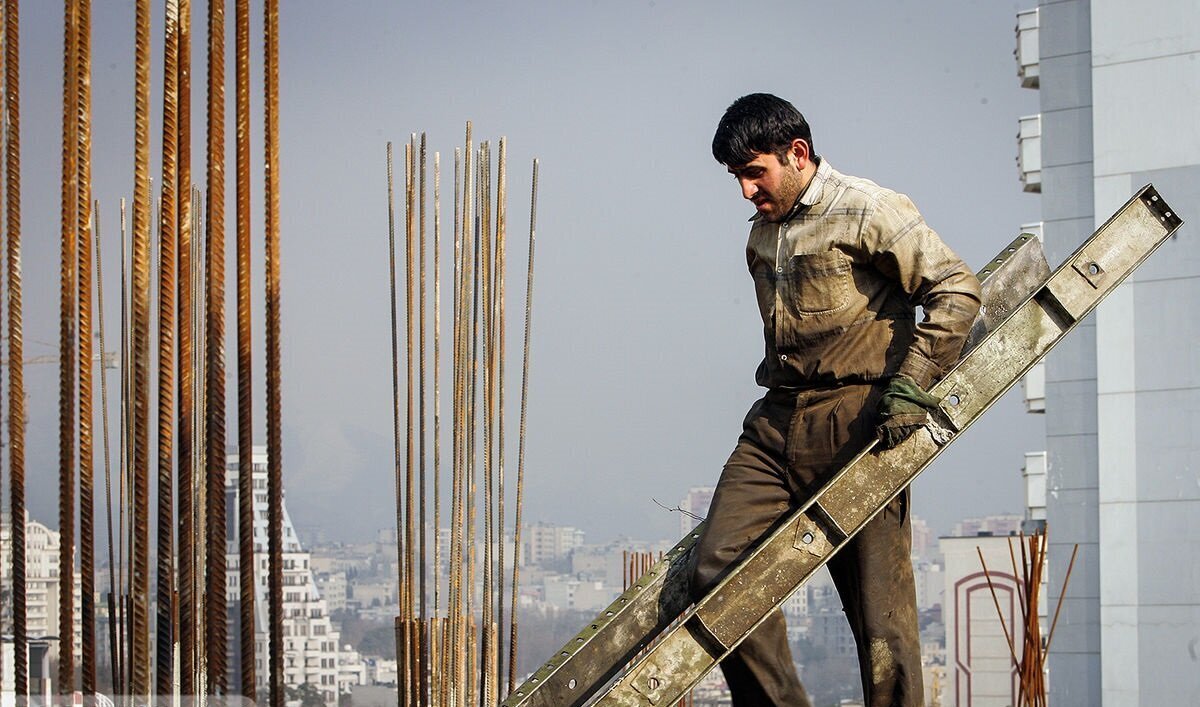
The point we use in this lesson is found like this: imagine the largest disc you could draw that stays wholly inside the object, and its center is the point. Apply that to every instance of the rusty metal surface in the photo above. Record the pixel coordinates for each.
(501, 226)
(83, 200)
(405, 650)
(113, 648)
(516, 584)
(391, 206)
(67, 336)
(214, 349)
(16, 381)
(274, 396)
(164, 613)
(861, 489)
(246, 585)
(185, 613)
(139, 656)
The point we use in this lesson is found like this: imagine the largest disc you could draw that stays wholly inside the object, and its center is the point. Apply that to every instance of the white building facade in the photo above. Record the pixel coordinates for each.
(310, 643)
(42, 616)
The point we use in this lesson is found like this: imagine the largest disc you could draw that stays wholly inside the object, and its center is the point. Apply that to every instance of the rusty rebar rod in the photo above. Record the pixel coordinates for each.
(185, 615)
(167, 243)
(472, 420)
(455, 581)
(83, 201)
(274, 402)
(421, 657)
(246, 583)
(124, 463)
(512, 646)
(195, 481)
(501, 237)
(396, 476)
(436, 659)
(113, 573)
(214, 300)
(16, 380)
(67, 340)
(487, 304)
(407, 670)
(139, 657)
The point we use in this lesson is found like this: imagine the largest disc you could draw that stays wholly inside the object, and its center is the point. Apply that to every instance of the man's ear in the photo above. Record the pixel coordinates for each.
(799, 151)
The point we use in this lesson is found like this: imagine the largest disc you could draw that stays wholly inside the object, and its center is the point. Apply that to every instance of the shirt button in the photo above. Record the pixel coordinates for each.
(783, 357)
(779, 269)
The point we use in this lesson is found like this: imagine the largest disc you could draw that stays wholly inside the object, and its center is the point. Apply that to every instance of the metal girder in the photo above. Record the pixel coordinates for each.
(660, 647)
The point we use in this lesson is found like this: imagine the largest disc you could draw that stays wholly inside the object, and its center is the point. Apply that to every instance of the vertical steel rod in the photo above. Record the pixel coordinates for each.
(456, 514)
(274, 403)
(246, 584)
(436, 659)
(83, 201)
(215, 616)
(139, 660)
(422, 679)
(488, 322)
(185, 590)
(124, 463)
(67, 335)
(16, 380)
(114, 656)
(512, 647)
(409, 466)
(185, 613)
(391, 209)
(165, 624)
(501, 227)
(472, 412)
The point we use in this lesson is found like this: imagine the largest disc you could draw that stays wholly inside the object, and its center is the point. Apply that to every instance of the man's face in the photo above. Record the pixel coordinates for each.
(772, 185)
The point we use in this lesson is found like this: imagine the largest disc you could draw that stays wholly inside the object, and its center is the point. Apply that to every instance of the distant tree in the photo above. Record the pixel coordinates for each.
(307, 694)
(379, 640)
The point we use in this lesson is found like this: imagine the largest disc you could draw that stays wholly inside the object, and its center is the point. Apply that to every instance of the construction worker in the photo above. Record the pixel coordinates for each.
(839, 266)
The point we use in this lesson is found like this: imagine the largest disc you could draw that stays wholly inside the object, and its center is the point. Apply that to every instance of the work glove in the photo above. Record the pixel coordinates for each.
(903, 409)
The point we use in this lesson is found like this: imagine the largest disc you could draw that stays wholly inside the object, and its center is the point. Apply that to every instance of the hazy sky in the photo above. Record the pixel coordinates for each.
(646, 334)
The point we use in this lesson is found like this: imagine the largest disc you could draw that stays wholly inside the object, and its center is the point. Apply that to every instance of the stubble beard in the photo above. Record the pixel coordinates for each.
(790, 187)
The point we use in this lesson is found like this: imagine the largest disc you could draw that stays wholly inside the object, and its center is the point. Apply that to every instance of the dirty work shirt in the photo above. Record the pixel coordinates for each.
(837, 282)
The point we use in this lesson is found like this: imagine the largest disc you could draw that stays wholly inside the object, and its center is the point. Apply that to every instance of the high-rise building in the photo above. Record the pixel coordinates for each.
(42, 618)
(1119, 92)
(547, 542)
(694, 507)
(310, 643)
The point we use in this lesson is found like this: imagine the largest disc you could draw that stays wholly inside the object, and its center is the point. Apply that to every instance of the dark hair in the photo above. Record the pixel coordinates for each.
(758, 123)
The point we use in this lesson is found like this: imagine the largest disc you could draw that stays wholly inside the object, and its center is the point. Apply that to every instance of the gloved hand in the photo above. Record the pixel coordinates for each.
(902, 410)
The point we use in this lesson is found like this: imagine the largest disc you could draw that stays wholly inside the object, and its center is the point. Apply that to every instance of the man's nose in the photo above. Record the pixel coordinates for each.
(749, 188)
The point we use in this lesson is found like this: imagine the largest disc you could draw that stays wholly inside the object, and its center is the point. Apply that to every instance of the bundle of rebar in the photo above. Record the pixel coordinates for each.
(1028, 569)
(454, 652)
(452, 637)
(188, 652)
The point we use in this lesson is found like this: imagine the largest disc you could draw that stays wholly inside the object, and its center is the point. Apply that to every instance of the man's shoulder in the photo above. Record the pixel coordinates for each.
(858, 189)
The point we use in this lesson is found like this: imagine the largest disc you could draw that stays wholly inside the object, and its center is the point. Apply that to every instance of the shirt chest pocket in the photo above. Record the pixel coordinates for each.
(816, 283)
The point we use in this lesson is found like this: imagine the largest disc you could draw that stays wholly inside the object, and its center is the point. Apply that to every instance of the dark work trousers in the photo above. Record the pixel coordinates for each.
(791, 443)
